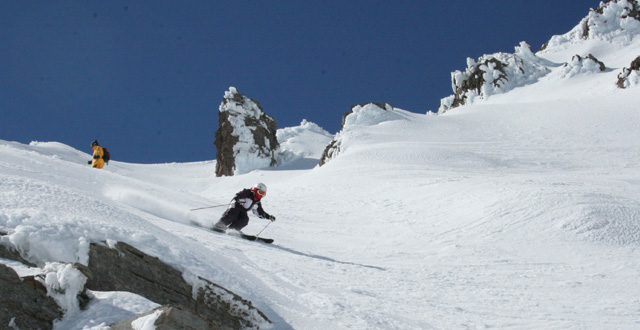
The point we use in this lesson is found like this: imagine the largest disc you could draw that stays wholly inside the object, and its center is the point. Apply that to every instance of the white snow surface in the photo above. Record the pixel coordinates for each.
(520, 211)
(301, 146)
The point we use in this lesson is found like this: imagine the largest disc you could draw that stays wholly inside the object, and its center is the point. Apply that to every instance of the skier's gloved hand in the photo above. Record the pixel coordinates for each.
(89, 162)
(272, 218)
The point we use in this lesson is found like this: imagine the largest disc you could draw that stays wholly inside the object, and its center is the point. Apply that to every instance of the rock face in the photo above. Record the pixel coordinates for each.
(630, 76)
(125, 268)
(361, 114)
(332, 150)
(246, 137)
(24, 303)
(197, 304)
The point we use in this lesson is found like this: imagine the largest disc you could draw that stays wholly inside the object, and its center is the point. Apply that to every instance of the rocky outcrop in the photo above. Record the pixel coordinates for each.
(493, 74)
(361, 114)
(630, 76)
(246, 137)
(194, 304)
(331, 151)
(125, 268)
(613, 19)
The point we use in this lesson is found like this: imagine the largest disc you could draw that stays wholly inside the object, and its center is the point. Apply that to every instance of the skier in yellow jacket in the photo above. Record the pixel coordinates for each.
(98, 153)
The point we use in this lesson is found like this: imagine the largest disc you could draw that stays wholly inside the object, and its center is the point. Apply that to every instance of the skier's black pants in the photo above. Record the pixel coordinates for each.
(235, 218)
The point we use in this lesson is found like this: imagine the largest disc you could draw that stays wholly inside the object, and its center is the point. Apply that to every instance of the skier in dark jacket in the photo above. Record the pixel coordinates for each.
(235, 217)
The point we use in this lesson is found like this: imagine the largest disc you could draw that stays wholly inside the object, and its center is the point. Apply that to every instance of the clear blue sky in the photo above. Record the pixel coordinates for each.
(146, 78)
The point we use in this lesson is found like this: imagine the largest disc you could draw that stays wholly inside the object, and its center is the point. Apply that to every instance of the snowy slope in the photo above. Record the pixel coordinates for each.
(519, 211)
(503, 215)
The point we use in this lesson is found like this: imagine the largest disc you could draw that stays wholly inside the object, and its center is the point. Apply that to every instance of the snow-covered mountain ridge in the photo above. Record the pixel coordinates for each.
(614, 23)
(521, 210)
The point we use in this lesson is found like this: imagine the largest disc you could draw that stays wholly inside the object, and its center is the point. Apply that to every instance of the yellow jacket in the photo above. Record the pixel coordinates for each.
(97, 161)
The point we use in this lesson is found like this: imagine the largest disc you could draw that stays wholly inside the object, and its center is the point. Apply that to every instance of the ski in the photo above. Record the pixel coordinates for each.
(243, 235)
(256, 238)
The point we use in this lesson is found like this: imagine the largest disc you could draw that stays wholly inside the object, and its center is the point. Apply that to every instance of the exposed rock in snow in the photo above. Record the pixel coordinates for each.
(366, 115)
(246, 137)
(494, 74)
(630, 76)
(125, 268)
(25, 304)
(36, 301)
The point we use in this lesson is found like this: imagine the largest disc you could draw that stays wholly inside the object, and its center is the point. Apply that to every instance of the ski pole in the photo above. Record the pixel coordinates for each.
(265, 227)
(208, 207)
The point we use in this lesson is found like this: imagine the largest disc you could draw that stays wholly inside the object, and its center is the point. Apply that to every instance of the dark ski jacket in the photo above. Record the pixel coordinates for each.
(245, 201)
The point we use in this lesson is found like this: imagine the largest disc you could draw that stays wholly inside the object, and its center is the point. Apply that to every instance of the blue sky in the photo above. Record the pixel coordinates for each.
(146, 78)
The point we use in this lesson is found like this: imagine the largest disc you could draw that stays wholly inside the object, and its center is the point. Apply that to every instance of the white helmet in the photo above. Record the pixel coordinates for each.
(260, 188)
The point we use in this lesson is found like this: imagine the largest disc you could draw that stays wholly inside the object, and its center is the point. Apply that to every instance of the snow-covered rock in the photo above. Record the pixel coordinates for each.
(617, 20)
(64, 284)
(614, 22)
(246, 138)
(581, 65)
(360, 115)
(494, 74)
(630, 76)
(306, 141)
